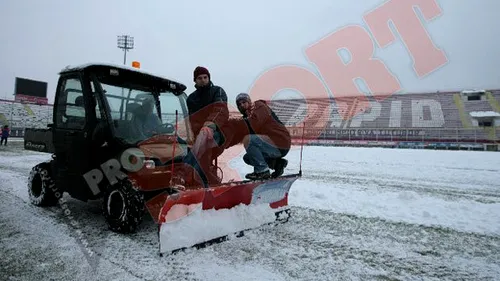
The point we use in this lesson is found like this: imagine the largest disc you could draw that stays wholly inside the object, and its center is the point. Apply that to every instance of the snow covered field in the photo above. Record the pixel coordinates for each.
(359, 214)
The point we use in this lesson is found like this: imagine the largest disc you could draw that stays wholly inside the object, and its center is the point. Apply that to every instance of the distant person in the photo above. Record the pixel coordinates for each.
(5, 135)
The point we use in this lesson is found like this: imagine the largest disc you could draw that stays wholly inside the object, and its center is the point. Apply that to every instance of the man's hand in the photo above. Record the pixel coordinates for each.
(249, 111)
(208, 132)
(204, 140)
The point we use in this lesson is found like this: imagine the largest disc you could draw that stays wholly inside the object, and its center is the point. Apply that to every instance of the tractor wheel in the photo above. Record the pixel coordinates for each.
(41, 186)
(123, 207)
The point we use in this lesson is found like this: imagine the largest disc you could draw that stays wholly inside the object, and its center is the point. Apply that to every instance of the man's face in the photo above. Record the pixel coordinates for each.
(202, 80)
(243, 105)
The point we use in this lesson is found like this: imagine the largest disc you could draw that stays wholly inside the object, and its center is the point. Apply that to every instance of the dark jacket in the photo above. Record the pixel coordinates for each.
(5, 132)
(208, 104)
(263, 121)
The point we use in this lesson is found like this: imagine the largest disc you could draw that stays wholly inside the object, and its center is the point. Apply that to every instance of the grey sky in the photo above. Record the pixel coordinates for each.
(236, 40)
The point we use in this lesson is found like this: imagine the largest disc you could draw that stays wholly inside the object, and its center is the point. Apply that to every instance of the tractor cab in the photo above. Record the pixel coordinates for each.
(102, 110)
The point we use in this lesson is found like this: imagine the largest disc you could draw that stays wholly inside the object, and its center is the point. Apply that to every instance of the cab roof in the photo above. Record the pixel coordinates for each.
(172, 84)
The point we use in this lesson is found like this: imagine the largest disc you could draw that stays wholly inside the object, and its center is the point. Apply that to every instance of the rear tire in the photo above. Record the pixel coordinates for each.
(41, 186)
(123, 207)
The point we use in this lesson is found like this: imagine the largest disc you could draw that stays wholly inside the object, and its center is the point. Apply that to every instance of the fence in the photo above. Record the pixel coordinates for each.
(472, 135)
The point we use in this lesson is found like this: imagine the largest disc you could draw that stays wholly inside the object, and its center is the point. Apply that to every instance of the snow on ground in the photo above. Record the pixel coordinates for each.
(455, 189)
(358, 214)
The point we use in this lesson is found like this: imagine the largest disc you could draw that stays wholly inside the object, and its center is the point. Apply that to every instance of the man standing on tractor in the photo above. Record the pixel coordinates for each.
(208, 114)
(268, 142)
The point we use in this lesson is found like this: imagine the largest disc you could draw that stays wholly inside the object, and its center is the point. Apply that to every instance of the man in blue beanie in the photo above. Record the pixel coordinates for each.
(269, 140)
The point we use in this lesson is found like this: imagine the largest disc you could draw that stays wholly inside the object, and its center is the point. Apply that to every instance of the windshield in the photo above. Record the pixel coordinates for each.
(169, 104)
(135, 113)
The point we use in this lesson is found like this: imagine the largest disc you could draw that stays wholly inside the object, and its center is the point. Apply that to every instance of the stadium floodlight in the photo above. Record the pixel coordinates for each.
(126, 43)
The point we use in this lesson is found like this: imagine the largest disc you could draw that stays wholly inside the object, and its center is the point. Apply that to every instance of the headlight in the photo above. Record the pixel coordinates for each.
(149, 164)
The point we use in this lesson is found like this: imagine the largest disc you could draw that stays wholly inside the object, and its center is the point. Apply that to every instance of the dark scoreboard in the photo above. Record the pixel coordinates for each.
(28, 87)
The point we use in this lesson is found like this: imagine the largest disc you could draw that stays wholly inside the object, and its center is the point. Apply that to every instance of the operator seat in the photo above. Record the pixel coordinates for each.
(132, 109)
(131, 113)
(76, 119)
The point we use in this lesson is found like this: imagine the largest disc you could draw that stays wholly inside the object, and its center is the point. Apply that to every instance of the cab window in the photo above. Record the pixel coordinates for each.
(70, 105)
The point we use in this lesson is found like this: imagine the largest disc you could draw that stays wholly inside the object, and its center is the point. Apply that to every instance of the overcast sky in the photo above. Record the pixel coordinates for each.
(236, 40)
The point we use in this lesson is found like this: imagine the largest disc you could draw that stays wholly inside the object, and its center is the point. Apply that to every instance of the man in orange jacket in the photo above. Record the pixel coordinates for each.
(269, 140)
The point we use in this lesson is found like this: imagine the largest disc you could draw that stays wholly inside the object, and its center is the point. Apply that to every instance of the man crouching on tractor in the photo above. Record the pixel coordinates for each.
(208, 113)
(268, 142)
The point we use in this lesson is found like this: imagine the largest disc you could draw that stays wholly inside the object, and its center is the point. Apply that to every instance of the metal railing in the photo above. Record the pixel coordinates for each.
(475, 135)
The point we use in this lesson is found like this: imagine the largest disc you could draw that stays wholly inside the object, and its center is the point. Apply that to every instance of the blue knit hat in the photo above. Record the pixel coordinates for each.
(243, 96)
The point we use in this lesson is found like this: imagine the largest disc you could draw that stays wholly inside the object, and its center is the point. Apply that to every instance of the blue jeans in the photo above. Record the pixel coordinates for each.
(192, 160)
(257, 152)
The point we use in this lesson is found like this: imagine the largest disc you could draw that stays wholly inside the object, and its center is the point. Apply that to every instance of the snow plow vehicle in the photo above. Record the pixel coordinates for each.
(98, 153)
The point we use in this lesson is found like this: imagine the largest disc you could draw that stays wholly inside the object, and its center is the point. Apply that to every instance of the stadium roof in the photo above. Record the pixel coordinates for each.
(479, 114)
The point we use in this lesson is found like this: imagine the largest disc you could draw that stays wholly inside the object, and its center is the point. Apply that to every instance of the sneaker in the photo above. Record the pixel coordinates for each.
(279, 167)
(259, 176)
(271, 162)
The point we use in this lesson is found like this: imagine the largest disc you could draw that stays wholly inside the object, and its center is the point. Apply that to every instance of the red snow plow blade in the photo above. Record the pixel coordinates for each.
(196, 218)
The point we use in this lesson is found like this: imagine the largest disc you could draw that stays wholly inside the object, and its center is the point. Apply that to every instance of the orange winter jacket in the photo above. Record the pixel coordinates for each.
(263, 121)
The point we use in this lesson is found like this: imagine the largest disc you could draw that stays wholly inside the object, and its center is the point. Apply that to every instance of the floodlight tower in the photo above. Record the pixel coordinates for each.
(126, 43)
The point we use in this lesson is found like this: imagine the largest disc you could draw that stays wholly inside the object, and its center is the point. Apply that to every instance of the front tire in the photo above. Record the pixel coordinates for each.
(41, 187)
(123, 207)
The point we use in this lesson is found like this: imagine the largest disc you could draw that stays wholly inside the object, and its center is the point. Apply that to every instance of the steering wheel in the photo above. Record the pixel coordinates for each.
(167, 128)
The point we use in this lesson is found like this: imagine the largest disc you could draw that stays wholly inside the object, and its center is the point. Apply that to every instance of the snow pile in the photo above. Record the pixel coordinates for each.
(203, 225)
(484, 114)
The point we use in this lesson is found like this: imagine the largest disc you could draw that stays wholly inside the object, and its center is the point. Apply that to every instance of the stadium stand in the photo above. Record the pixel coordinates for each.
(448, 120)
(23, 115)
